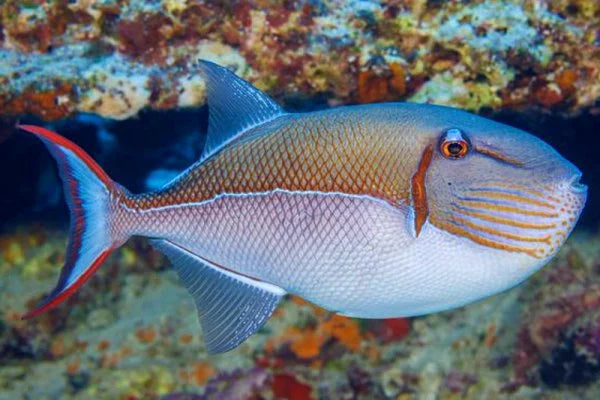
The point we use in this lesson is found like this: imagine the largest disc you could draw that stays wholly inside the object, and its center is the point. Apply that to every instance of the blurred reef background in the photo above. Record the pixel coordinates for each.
(118, 77)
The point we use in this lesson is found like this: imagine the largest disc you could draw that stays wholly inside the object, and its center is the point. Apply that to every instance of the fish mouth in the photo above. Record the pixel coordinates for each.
(576, 186)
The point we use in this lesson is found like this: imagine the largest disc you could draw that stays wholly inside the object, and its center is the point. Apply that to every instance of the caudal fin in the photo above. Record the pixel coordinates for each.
(88, 191)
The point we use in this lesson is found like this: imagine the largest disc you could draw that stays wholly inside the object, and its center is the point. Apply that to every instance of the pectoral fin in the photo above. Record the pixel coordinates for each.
(231, 307)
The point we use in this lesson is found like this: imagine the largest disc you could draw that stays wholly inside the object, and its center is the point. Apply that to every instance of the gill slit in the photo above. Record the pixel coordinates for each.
(419, 191)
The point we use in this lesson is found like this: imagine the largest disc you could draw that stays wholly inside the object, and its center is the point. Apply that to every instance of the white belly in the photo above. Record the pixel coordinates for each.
(351, 254)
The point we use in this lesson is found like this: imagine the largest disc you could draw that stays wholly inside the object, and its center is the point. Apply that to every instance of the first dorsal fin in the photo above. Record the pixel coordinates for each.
(234, 106)
(231, 307)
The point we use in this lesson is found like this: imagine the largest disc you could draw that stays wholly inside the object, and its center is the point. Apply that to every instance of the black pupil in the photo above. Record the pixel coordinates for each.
(455, 148)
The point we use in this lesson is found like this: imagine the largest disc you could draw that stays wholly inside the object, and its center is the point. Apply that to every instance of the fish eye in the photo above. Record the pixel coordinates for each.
(454, 144)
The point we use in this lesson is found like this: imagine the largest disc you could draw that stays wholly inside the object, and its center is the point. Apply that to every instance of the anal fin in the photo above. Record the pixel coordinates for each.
(231, 307)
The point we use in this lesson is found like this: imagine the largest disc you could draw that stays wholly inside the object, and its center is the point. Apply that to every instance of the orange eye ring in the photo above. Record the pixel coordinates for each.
(454, 145)
(455, 149)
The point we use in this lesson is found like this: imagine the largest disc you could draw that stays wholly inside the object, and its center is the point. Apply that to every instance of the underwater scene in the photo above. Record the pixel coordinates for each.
(299, 199)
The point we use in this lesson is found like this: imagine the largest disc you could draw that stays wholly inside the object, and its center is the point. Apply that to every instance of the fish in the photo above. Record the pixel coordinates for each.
(369, 211)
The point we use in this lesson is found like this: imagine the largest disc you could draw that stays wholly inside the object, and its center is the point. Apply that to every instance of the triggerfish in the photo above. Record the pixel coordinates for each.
(371, 211)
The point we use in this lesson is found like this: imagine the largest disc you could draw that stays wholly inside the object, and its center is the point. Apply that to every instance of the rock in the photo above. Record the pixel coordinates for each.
(116, 58)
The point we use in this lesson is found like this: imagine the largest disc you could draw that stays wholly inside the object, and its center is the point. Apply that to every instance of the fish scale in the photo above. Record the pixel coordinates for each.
(372, 211)
(272, 161)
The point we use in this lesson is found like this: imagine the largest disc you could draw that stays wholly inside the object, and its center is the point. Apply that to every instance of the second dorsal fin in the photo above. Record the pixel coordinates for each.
(234, 106)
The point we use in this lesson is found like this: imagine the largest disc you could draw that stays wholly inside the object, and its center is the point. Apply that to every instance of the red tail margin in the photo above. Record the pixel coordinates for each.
(88, 191)
(54, 300)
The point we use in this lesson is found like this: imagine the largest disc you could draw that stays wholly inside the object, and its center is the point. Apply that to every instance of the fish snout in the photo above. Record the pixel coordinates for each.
(570, 198)
(576, 186)
(574, 196)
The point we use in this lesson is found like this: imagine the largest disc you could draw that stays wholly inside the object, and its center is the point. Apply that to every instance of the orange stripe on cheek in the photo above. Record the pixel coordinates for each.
(513, 197)
(505, 221)
(486, 229)
(419, 193)
(496, 207)
(487, 242)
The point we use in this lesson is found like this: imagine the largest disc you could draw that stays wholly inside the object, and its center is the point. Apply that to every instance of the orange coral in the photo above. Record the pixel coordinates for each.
(186, 338)
(345, 330)
(375, 86)
(202, 372)
(566, 79)
(299, 300)
(398, 80)
(146, 335)
(371, 88)
(307, 344)
(548, 95)
(304, 343)
(49, 104)
(103, 345)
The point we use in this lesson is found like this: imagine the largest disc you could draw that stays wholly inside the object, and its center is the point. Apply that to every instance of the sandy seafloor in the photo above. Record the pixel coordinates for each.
(132, 333)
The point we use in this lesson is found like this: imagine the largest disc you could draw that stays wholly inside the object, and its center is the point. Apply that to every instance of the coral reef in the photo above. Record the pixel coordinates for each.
(131, 333)
(558, 341)
(114, 58)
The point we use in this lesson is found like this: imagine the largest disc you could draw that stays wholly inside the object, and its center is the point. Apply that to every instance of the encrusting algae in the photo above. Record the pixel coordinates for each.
(115, 58)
